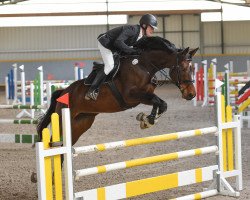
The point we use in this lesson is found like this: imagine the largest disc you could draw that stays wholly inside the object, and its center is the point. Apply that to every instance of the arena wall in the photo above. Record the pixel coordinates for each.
(57, 48)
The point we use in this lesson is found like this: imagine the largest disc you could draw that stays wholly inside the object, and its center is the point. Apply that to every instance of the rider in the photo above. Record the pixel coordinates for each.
(119, 39)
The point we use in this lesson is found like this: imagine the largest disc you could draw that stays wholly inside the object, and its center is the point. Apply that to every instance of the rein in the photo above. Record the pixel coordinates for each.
(178, 69)
(162, 71)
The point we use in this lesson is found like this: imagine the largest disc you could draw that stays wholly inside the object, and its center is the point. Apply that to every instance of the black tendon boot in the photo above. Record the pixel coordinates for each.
(94, 88)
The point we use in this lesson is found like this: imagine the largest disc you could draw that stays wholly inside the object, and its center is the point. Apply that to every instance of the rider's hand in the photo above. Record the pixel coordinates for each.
(136, 52)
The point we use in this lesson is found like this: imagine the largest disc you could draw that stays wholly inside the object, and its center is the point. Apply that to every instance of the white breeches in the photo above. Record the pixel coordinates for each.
(107, 57)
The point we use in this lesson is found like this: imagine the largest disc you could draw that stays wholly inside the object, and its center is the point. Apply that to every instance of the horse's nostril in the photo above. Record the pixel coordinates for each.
(191, 95)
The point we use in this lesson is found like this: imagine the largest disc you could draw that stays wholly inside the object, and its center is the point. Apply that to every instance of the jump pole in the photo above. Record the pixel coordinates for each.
(22, 107)
(18, 138)
(18, 121)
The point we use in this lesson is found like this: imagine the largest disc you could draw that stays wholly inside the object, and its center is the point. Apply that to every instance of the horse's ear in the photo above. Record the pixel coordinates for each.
(185, 51)
(193, 51)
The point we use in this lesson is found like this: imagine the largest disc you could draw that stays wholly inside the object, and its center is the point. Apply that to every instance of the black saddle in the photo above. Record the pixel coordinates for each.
(97, 66)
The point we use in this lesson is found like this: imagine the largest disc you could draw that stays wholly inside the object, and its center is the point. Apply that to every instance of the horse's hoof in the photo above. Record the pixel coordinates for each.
(151, 120)
(33, 177)
(140, 116)
(145, 124)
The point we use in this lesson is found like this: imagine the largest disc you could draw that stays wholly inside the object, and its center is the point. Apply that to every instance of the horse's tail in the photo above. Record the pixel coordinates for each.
(45, 120)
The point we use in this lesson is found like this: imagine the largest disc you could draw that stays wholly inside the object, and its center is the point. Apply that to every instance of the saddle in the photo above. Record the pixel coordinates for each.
(109, 79)
(97, 66)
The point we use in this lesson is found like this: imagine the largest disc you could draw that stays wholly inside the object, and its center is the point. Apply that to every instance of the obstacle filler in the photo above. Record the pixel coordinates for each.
(231, 88)
(21, 91)
(233, 82)
(205, 83)
(17, 91)
(199, 84)
(211, 82)
(243, 107)
(37, 93)
(19, 138)
(228, 151)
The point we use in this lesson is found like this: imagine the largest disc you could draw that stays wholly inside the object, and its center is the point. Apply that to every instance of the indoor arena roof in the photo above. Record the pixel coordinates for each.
(117, 8)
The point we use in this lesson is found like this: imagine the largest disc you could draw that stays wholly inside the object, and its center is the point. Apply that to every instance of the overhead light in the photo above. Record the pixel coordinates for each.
(234, 1)
(11, 1)
(16, 1)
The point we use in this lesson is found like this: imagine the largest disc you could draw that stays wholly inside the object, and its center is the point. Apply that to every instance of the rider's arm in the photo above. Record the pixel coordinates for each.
(125, 34)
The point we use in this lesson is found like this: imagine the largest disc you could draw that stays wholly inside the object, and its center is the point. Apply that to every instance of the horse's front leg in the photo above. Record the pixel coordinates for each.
(162, 108)
(159, 107)
(152, 116)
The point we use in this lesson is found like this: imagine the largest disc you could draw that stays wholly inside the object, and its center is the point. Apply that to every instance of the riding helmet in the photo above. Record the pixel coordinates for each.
(148, 20)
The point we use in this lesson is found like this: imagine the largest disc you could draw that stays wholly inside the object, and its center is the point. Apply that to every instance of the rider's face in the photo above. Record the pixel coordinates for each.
(149, 31)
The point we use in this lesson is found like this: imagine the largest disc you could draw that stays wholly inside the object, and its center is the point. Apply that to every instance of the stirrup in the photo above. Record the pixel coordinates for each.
(92, 95)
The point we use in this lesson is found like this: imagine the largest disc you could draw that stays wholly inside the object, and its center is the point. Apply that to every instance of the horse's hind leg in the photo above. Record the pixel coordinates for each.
(80, 124)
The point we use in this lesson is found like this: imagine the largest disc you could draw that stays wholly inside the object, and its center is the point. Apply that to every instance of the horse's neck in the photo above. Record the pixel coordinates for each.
(157, 60)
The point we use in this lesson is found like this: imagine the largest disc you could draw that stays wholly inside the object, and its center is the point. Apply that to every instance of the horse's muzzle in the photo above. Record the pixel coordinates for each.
(190, 96)
(188, 92)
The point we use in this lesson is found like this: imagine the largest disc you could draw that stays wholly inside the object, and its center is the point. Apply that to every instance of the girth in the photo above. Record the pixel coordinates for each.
(117, 94)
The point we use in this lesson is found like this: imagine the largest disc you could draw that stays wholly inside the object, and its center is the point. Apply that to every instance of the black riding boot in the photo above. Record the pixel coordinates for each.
(94, 88)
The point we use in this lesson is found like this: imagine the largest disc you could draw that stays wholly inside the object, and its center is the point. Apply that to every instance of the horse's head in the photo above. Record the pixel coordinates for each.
(160, 53)
(182, 73)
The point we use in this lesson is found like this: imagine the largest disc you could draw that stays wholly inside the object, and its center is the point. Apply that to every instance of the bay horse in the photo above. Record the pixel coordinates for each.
(134, 84)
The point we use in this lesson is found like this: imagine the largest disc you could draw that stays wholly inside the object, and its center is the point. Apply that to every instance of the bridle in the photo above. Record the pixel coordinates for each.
(176, 67)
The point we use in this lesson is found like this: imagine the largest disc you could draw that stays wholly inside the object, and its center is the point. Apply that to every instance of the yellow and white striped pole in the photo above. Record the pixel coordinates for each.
(197, 196)
(145, 140)
(144, 161)
(149, 185)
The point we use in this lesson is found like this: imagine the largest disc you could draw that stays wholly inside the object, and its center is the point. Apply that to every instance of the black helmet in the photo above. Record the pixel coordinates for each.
(148, 20)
